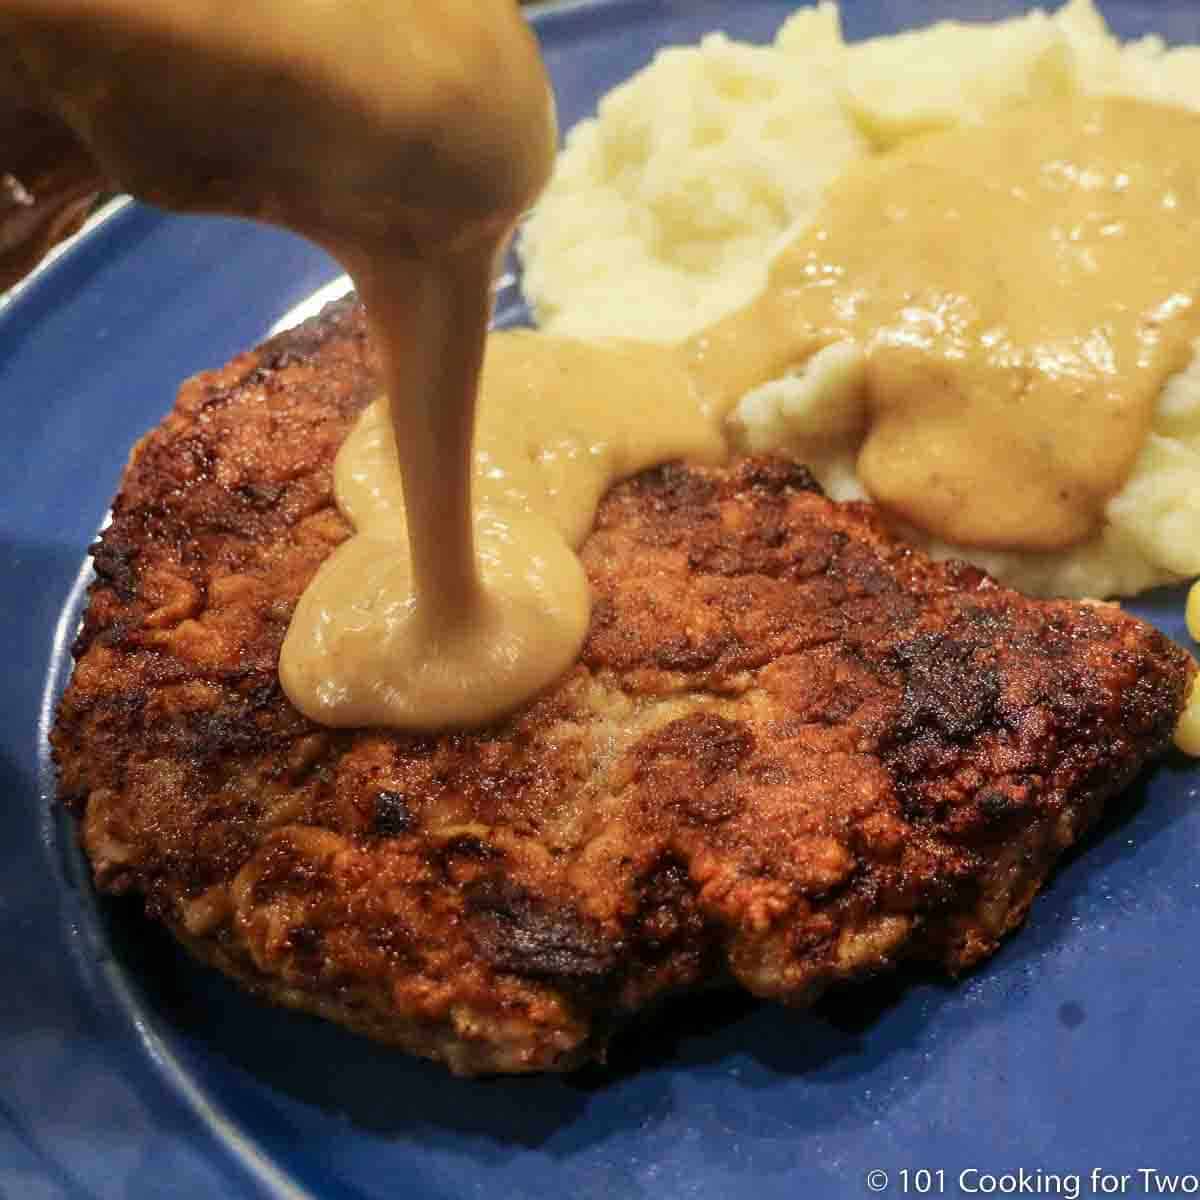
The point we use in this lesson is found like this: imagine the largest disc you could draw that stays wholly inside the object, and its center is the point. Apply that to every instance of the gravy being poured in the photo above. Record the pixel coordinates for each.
(1020, 291)
(406, 137)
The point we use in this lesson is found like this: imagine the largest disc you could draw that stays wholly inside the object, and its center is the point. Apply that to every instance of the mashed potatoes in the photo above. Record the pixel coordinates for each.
(666, 210)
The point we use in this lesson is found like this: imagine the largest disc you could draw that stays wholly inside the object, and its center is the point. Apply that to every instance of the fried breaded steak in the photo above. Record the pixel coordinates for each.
(793, 751)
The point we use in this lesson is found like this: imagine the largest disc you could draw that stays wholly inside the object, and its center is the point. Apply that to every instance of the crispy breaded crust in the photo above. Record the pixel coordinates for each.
(794, 750)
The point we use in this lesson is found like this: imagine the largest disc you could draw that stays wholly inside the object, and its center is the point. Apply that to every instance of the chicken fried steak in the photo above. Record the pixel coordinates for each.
(794, 751)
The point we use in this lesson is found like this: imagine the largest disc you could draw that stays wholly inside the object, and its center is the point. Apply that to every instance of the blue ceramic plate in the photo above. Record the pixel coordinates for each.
(125, 1071)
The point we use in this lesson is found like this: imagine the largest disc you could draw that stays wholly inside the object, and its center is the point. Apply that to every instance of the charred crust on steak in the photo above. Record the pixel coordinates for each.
(519, 932)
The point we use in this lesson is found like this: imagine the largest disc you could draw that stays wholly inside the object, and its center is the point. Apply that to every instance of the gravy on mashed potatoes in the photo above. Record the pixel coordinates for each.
(1019, 299)
(666, 211)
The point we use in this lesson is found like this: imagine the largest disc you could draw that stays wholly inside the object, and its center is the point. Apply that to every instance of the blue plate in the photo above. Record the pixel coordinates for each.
(125, 1071)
